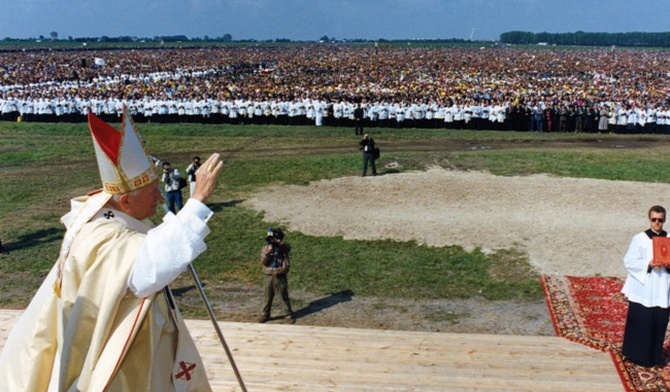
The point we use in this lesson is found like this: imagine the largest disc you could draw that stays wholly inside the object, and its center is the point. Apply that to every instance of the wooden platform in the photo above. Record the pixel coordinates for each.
(281, 357)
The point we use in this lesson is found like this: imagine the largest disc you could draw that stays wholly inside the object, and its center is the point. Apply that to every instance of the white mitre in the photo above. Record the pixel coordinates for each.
(124, 166)
(123, 163)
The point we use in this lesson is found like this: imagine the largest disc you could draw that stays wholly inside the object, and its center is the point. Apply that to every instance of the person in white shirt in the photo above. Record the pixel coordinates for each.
(646, 289)
(319, 107)
(663, 119)
(449, 113)
(338, 113)
(383, 110)
(632, 117)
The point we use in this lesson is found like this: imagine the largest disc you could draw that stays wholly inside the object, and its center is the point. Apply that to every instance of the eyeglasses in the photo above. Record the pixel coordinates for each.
(657, 220)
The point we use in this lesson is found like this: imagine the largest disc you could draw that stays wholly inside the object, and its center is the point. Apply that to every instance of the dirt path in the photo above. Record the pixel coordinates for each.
(568, 226)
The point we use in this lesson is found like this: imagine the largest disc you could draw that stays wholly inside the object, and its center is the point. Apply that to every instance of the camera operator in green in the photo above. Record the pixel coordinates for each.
(275, 262)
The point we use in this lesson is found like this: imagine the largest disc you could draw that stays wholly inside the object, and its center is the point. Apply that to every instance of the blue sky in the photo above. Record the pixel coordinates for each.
(312, 19)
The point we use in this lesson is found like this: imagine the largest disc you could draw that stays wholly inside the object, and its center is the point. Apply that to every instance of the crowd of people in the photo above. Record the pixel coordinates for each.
(502, 88)
(646, 289)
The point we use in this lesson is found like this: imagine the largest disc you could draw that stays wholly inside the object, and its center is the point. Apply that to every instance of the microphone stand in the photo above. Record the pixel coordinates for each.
(210, 312)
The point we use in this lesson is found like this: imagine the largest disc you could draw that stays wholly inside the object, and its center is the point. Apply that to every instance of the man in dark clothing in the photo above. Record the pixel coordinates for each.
(358, 119)
(275, 262)
(190, 170)
(367, 145)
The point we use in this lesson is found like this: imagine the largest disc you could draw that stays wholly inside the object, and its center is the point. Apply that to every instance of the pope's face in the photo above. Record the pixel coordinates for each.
(143, 204)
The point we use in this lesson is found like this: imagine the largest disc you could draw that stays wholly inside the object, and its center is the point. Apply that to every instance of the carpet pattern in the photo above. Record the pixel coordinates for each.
(592, 311)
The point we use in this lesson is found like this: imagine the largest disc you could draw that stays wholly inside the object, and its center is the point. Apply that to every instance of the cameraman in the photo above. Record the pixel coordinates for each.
(367, 145)
(275, 262)
(172, 191)
(190, 170)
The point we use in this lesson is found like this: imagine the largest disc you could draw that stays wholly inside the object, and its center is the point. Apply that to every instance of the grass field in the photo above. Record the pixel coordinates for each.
(42, 166)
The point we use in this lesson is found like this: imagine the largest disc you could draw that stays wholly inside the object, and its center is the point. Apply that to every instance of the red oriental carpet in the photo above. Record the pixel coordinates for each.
(592, 311)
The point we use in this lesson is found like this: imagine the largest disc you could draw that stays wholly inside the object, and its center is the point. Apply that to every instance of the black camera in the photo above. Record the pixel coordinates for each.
(270, 238)
(274, 235)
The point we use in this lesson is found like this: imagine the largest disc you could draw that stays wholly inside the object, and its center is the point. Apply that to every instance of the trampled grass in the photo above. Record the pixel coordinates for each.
(42, 166)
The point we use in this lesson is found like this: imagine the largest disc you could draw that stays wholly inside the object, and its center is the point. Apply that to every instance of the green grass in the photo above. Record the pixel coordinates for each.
(446, 316)
(626, 165)
(42, 166)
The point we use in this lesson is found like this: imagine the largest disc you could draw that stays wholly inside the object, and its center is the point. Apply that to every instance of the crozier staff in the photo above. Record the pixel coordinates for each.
(104, 319)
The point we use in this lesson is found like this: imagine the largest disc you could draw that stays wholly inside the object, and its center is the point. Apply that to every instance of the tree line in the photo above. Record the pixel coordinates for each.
(580, 38)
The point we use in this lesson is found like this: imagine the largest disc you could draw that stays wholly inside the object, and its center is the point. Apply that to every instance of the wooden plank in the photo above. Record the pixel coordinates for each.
(280, 357)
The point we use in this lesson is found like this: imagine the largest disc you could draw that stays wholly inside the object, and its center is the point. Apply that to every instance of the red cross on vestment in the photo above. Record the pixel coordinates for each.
(186, 370)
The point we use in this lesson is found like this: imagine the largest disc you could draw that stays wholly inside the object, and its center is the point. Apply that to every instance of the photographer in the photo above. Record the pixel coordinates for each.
(190, 170)
(172, 189)
(275, 263)
(367, 146)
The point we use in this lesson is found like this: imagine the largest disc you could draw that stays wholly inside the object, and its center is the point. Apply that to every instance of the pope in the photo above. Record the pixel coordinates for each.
(104, 318)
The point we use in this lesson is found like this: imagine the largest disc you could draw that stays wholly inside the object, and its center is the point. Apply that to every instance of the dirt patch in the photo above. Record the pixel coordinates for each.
(568, 226)
(346, 310)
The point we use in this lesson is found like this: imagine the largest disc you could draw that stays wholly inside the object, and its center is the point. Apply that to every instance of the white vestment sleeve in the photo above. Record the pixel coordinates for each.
(638, 257)
(169, 248)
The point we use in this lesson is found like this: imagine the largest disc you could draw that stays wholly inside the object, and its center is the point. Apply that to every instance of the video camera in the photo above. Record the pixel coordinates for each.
(274, 235)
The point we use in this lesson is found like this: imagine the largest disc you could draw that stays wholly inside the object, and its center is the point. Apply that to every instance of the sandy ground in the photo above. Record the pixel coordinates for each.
(568, 226)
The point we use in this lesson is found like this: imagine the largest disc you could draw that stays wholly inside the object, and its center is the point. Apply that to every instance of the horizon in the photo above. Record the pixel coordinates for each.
(298, 20)
(58, 38)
